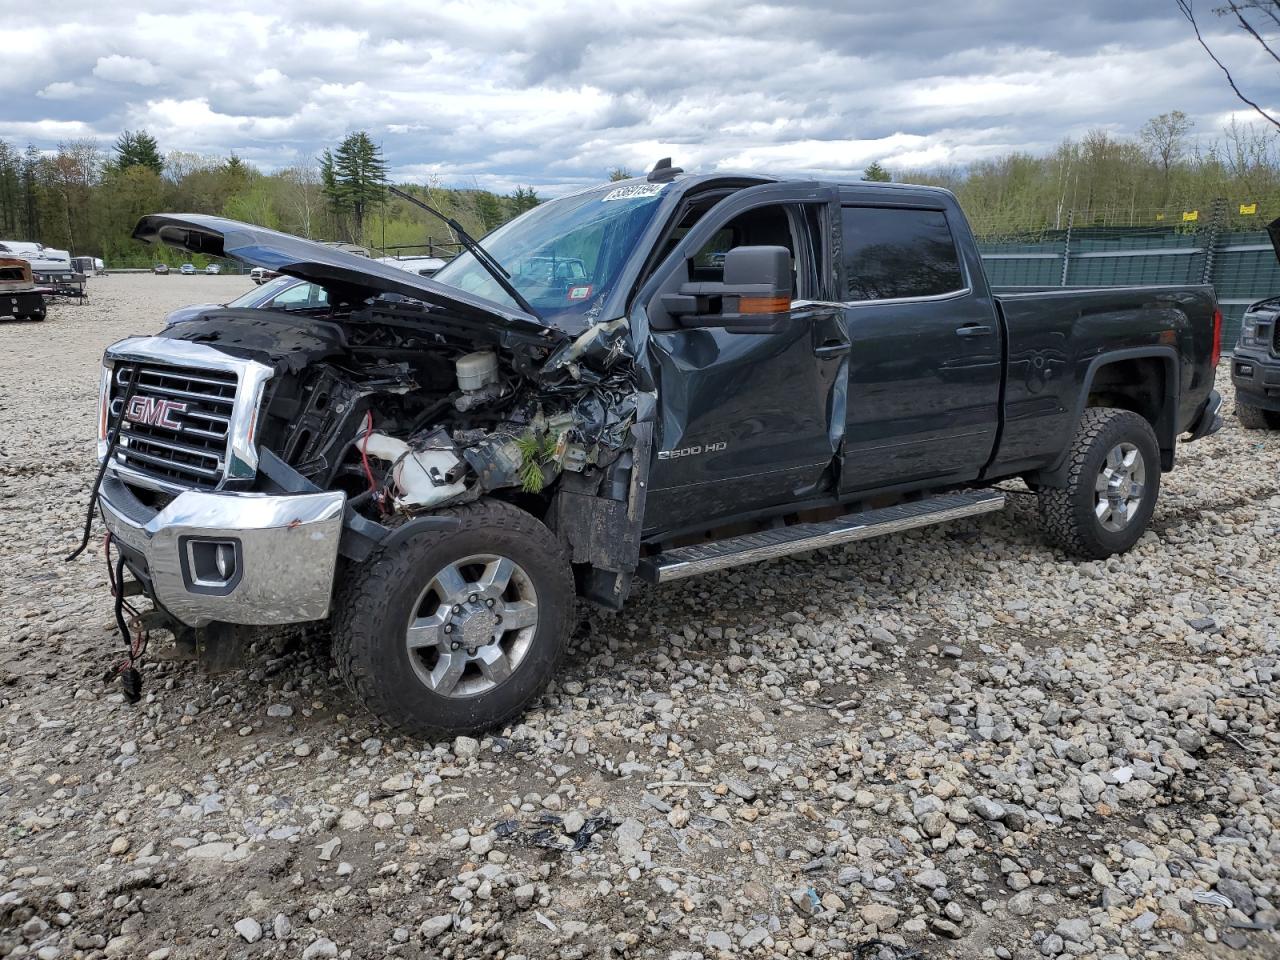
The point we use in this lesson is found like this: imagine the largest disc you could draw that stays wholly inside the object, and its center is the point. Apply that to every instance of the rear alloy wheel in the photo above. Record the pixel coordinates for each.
(456, 630)
(1113, 480)
(1120, 487)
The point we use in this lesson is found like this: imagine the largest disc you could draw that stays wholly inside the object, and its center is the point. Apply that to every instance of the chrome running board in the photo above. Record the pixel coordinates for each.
(699, 558)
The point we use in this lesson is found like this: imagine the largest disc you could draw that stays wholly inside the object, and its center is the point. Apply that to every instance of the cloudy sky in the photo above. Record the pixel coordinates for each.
(556, 94)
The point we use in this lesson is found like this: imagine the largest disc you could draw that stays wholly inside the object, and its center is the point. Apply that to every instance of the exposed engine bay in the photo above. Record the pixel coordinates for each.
(410, 409)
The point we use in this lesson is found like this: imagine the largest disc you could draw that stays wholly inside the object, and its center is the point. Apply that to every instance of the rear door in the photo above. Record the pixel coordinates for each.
(925, 362)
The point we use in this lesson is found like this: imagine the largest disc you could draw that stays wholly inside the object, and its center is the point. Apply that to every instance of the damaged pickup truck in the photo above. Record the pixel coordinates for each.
(656, 378)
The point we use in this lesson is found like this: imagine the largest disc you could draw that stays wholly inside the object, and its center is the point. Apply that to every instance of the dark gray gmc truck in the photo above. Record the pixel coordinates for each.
(1255, 362)
(655, 378)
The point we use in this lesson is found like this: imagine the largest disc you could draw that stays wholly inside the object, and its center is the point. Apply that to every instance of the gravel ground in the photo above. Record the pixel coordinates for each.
(954, 741)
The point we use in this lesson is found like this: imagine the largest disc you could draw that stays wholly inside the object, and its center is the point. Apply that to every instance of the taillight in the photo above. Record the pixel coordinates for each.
(1216, 353)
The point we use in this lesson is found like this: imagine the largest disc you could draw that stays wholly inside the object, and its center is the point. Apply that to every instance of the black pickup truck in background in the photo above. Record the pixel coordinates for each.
(1255, 362)
(658, 378)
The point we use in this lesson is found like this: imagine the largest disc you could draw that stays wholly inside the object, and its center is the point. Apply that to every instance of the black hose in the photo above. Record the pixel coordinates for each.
(113, 437)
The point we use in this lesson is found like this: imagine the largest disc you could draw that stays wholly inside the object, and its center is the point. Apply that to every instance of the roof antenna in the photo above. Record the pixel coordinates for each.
(663, 171)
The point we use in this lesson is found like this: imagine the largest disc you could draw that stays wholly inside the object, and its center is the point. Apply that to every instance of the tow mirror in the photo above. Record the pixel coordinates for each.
(755, 296)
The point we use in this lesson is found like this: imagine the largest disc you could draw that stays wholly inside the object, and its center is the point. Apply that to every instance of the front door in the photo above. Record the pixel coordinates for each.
(748, 420)
(925, 361)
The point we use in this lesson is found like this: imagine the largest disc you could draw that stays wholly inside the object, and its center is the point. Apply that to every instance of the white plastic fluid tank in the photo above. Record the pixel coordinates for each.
(476, 370)
(411, 475)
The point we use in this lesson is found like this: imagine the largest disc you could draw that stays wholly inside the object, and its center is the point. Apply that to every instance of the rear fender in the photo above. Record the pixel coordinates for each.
(1165, 425)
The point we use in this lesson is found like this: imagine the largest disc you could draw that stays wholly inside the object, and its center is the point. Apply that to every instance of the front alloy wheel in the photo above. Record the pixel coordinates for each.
(457, 628)
(472, 626)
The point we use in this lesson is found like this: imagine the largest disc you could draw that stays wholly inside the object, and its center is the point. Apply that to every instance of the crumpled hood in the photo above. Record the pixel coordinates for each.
(350, 276)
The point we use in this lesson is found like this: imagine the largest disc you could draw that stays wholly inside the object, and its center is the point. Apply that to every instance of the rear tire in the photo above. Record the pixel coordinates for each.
(1113, 480)
(1255, 418)
(455, 632)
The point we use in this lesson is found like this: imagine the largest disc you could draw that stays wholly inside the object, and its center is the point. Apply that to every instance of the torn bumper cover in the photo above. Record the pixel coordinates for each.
(237, 558)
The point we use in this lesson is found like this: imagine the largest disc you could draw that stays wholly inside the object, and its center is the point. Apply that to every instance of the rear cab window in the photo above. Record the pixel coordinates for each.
(896, 253)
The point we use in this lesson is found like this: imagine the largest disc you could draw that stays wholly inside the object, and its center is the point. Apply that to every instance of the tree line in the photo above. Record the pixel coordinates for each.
(1150, 180)
(87, 200)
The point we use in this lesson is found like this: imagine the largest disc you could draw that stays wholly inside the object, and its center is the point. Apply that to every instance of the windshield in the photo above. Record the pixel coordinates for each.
(259, 295)
(564, 255)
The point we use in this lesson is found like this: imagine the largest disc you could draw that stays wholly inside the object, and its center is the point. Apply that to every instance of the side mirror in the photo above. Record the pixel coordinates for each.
(755, 296)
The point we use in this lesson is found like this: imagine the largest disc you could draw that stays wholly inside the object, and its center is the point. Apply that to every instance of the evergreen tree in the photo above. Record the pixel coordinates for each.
(876, 173)
(353, 177)
(236, 169)
(489, 210)
(521, 199)
(137, 149)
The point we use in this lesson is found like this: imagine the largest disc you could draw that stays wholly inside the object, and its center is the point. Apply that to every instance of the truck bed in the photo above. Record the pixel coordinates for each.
(1055, 335)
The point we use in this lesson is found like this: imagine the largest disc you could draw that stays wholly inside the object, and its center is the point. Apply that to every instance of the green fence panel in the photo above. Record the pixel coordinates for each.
(1243, 269)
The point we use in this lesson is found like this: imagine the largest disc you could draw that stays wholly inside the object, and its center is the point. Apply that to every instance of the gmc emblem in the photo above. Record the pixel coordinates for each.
(155, 412)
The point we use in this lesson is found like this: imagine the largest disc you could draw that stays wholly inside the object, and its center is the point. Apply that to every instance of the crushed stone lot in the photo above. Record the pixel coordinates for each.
(953, 741)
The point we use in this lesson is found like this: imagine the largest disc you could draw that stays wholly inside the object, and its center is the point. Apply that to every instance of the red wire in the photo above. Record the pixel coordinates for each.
(364, 449)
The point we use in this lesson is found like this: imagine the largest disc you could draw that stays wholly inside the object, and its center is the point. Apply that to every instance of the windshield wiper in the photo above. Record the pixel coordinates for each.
(491, 266)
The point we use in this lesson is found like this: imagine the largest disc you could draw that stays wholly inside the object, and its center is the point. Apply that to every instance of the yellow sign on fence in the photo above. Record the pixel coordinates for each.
(1248, 209)
(1159, 216)
(1190, 215)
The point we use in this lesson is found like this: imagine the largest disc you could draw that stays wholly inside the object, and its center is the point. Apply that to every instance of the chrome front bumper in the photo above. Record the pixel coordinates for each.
(278, 560)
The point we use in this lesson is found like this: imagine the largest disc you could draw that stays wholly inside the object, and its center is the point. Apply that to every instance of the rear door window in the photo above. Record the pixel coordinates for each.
(891, 253)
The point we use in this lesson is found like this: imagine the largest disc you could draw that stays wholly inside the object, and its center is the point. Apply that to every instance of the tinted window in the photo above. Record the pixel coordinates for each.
(891, 253)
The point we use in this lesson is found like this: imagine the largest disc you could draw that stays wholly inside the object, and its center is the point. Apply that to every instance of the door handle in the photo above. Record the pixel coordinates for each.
(831, 348)
(973, 330)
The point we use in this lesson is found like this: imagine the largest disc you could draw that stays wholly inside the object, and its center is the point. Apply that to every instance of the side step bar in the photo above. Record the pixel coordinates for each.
(770, 544)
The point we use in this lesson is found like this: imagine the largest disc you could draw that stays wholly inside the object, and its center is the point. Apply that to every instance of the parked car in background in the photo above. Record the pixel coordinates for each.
(85, 266)
(213, 269)
(421, 265)
(187, 269)
(262, 274)
(48, 266)
(160, 269)
(19, 297)
(1255, 362)
(282, 293)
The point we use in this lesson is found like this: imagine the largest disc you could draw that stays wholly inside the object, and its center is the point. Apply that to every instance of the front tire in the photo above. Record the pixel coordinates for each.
(1113, 480)
(455, 632)
(1255, 418)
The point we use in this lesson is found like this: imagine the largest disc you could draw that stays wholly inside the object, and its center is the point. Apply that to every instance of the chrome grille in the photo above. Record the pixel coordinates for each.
(184, 440)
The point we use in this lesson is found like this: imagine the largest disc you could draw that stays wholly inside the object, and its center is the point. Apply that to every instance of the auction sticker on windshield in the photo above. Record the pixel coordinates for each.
(634, 191)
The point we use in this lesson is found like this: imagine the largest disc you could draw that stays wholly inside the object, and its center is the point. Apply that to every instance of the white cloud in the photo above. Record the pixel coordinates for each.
(121, 69)
(510, 92)
(64, 90)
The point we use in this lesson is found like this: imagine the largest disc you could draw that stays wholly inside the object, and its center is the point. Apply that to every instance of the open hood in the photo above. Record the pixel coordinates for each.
(1273, 231)
(345, 275)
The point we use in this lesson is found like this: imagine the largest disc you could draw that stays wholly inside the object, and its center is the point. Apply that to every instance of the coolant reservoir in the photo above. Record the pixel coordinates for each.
(477, 370)
(414, 469)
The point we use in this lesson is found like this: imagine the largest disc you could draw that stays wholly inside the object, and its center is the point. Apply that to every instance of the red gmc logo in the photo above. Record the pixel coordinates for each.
(155, 412)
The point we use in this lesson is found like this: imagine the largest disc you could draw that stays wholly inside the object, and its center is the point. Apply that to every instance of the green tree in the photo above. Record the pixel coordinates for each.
(489, 210)
(353, 179)
(876, 173)
(520, 200)
(1165, 138)
(620, 173)
(137, 148)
